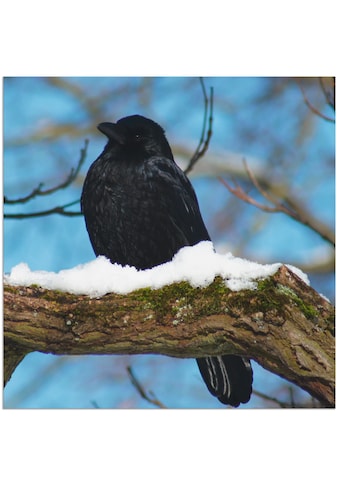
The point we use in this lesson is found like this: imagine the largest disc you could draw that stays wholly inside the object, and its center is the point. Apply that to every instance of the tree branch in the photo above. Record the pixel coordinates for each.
(290, 206)
(38, 191)
(328, 93)
(205, 136)
(148, 397)
(284, 325)
(59, 209)
(313, 108)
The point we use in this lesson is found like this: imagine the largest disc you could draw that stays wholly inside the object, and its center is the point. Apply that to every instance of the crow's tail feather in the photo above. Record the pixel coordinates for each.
(228, 377)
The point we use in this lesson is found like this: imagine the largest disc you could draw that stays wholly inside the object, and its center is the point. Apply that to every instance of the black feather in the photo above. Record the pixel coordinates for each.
(140, 209)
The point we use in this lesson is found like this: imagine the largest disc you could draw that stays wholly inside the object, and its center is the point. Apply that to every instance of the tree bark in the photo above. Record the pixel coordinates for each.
(284, 325)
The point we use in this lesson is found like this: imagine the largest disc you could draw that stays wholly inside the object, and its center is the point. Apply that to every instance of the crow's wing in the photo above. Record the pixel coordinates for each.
(176, 195)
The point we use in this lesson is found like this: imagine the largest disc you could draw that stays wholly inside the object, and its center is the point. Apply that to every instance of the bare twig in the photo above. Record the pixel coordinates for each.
(142, 392)
(313, 108)
(282, 404)
(39, 192)
(313, 403)
(241, 194)
(205, 137)
(66, 183)
(271, 399)
(292, 401)
(329, 95)
(95, 404)
(290, 207)
(55, 210)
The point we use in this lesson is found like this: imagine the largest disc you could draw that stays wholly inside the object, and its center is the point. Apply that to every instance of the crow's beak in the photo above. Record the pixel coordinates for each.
(111, 131)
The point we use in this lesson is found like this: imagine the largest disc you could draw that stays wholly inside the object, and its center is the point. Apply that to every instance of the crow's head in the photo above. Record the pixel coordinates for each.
(136, 138)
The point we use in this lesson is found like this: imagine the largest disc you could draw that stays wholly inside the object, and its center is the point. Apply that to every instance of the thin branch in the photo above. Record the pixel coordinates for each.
(291, 392)
(95, 404)
(55, 210)
(241, 194)
(66, 183)
(313, 108)
(205, 137)
(292, 210)
(152, 400)
(329, 95)
(271, 399)
(314, 403)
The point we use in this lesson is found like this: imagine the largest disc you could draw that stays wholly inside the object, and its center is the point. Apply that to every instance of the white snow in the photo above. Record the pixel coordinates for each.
(198, 265)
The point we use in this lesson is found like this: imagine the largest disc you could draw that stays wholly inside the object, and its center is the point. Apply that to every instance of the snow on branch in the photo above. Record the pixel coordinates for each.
(198, 265)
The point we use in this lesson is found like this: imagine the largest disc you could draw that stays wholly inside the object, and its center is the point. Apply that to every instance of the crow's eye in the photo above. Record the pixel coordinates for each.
(138, 137)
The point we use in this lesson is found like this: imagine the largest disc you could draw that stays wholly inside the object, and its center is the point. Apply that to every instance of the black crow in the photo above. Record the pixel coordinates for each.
(140, 209)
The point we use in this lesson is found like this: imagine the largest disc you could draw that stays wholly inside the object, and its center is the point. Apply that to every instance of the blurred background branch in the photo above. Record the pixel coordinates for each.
(289, 205)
